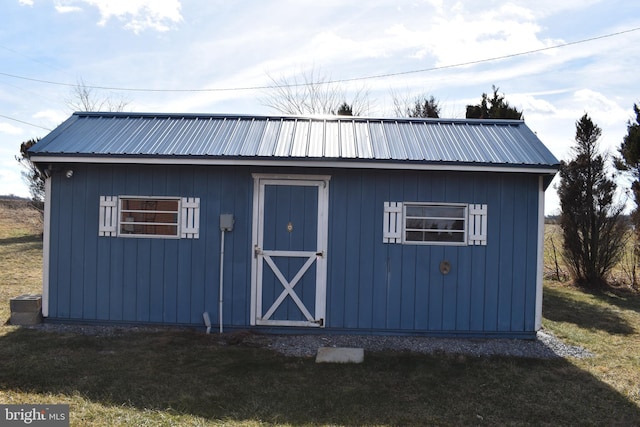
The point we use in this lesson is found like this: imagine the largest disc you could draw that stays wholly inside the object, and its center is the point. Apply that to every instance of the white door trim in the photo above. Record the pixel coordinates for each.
(320, 258)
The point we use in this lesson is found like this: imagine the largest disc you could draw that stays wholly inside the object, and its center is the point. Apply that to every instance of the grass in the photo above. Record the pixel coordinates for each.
(178, 377)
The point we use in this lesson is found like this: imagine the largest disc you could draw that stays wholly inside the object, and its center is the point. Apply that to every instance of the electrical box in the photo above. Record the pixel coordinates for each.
(226, 222)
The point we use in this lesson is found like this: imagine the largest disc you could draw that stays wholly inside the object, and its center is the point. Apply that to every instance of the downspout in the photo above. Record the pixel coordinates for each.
(226, 224)
(220, 299)
(540, 254)
(46, 243)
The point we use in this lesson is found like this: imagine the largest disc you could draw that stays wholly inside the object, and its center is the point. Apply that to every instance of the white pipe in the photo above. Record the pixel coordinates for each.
(221, 277)
(46, 247)
(540, 256)
(207, 321)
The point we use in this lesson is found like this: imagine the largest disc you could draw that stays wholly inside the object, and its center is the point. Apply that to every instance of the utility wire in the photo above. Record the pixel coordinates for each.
(25, 123)
(375, 76)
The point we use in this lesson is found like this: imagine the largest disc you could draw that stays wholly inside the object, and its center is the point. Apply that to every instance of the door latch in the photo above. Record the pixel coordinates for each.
(256, 251)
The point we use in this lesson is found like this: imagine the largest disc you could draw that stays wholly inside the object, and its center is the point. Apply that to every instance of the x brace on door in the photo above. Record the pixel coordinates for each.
(289, 285)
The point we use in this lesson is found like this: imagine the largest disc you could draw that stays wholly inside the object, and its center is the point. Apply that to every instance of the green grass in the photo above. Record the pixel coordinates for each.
(179, 377)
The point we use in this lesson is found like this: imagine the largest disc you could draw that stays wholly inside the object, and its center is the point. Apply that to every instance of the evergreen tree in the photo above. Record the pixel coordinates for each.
(425, 108)
(493, 108)
(344, 110)
(630, 151)
(592, 226)
(32, 175)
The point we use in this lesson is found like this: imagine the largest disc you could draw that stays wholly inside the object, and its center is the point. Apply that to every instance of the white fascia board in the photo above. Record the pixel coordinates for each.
(293, 162)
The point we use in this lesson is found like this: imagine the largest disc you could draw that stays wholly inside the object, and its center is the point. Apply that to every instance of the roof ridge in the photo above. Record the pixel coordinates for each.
(319, 117)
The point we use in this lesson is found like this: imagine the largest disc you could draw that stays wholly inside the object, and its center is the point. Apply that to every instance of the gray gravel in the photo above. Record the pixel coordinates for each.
(546, 346)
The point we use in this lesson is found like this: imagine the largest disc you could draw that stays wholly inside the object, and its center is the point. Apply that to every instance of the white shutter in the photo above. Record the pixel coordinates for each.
(392, 228)
(108, 216)
(477, 230)
(190, 227)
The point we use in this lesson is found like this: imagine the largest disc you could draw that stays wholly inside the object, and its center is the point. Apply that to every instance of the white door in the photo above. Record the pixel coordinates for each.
(289, 272)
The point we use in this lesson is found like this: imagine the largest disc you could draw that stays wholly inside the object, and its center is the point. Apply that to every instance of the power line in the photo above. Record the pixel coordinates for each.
(375, 76)
(23, 122)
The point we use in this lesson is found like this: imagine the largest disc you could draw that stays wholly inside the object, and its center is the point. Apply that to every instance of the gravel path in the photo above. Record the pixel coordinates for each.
(546, 346)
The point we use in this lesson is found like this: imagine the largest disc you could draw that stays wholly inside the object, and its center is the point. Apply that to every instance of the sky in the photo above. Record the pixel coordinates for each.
(554, 60)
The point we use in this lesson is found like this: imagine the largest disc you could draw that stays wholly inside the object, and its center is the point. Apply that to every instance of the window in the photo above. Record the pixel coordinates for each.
(139, 216)
(416, 223)
(440, 224)
(149, 217)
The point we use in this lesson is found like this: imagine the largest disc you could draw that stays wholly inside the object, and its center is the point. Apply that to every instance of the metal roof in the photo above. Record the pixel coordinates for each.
(91, 136)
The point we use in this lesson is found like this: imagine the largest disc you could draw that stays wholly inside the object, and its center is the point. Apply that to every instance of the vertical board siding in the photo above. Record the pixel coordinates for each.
(371, 286)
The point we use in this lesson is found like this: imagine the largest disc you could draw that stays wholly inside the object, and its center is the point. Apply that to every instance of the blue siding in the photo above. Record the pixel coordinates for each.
(371, 286)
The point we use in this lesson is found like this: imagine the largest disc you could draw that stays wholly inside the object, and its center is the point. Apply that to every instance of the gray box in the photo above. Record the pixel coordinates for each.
(26, 310)
(25, 318)
(226, 222)
(26, 303)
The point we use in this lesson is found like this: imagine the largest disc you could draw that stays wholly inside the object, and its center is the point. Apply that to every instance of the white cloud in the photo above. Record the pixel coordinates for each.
(61, 8)
(52, 117)
(10, 129)
(530, 104)
(25, 2)
(137, 15)
(603, 110)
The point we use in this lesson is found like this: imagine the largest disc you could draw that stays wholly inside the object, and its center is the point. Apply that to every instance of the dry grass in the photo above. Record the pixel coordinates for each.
(625, 275)
(20, 252)
(607, 324)
(178, 377)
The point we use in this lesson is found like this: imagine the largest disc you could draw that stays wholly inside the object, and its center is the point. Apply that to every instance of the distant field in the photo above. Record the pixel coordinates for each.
(178, 377)
(622, 276)
(20, 252)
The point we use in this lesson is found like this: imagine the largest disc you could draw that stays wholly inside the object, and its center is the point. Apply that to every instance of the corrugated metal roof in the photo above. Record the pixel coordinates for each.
(487, 142)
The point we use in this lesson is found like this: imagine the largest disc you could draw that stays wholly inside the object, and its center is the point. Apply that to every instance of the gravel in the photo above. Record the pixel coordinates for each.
(545, 346)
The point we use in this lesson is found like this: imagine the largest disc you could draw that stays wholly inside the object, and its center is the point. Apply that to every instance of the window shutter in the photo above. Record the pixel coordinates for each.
(108, 216)
(477, 225)
(190, 227)
(392, 228)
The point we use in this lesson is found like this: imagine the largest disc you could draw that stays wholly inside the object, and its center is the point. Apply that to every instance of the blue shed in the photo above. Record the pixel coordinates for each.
(295, 224)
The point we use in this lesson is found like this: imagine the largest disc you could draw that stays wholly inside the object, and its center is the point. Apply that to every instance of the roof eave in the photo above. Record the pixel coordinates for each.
(346, 163)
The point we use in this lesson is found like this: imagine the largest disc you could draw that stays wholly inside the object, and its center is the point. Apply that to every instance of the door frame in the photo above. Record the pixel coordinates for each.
(259, 182)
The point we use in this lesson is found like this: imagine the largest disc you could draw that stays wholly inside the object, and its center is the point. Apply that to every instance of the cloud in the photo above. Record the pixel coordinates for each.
(52, 117)
(60, 8)
(10, 129)
(600, 106)
(137, 15)
(25, 2)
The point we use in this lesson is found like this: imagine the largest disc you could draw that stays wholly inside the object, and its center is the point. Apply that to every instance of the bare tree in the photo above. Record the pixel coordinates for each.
(312, 92)
(86, 98)
(82, 98)
(422, 106)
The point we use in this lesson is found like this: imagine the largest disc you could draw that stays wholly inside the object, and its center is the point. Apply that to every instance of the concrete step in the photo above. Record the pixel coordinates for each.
(340, 355)
(25, 319)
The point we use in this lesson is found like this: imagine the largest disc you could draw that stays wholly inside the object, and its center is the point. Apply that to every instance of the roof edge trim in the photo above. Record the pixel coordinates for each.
(293, 162)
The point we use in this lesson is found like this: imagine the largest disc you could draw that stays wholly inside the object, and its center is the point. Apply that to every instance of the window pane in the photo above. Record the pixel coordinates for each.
(435, 223)
(416, 211)
(415, 236)
(444, 211)
(434, 236)
(150, 217)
